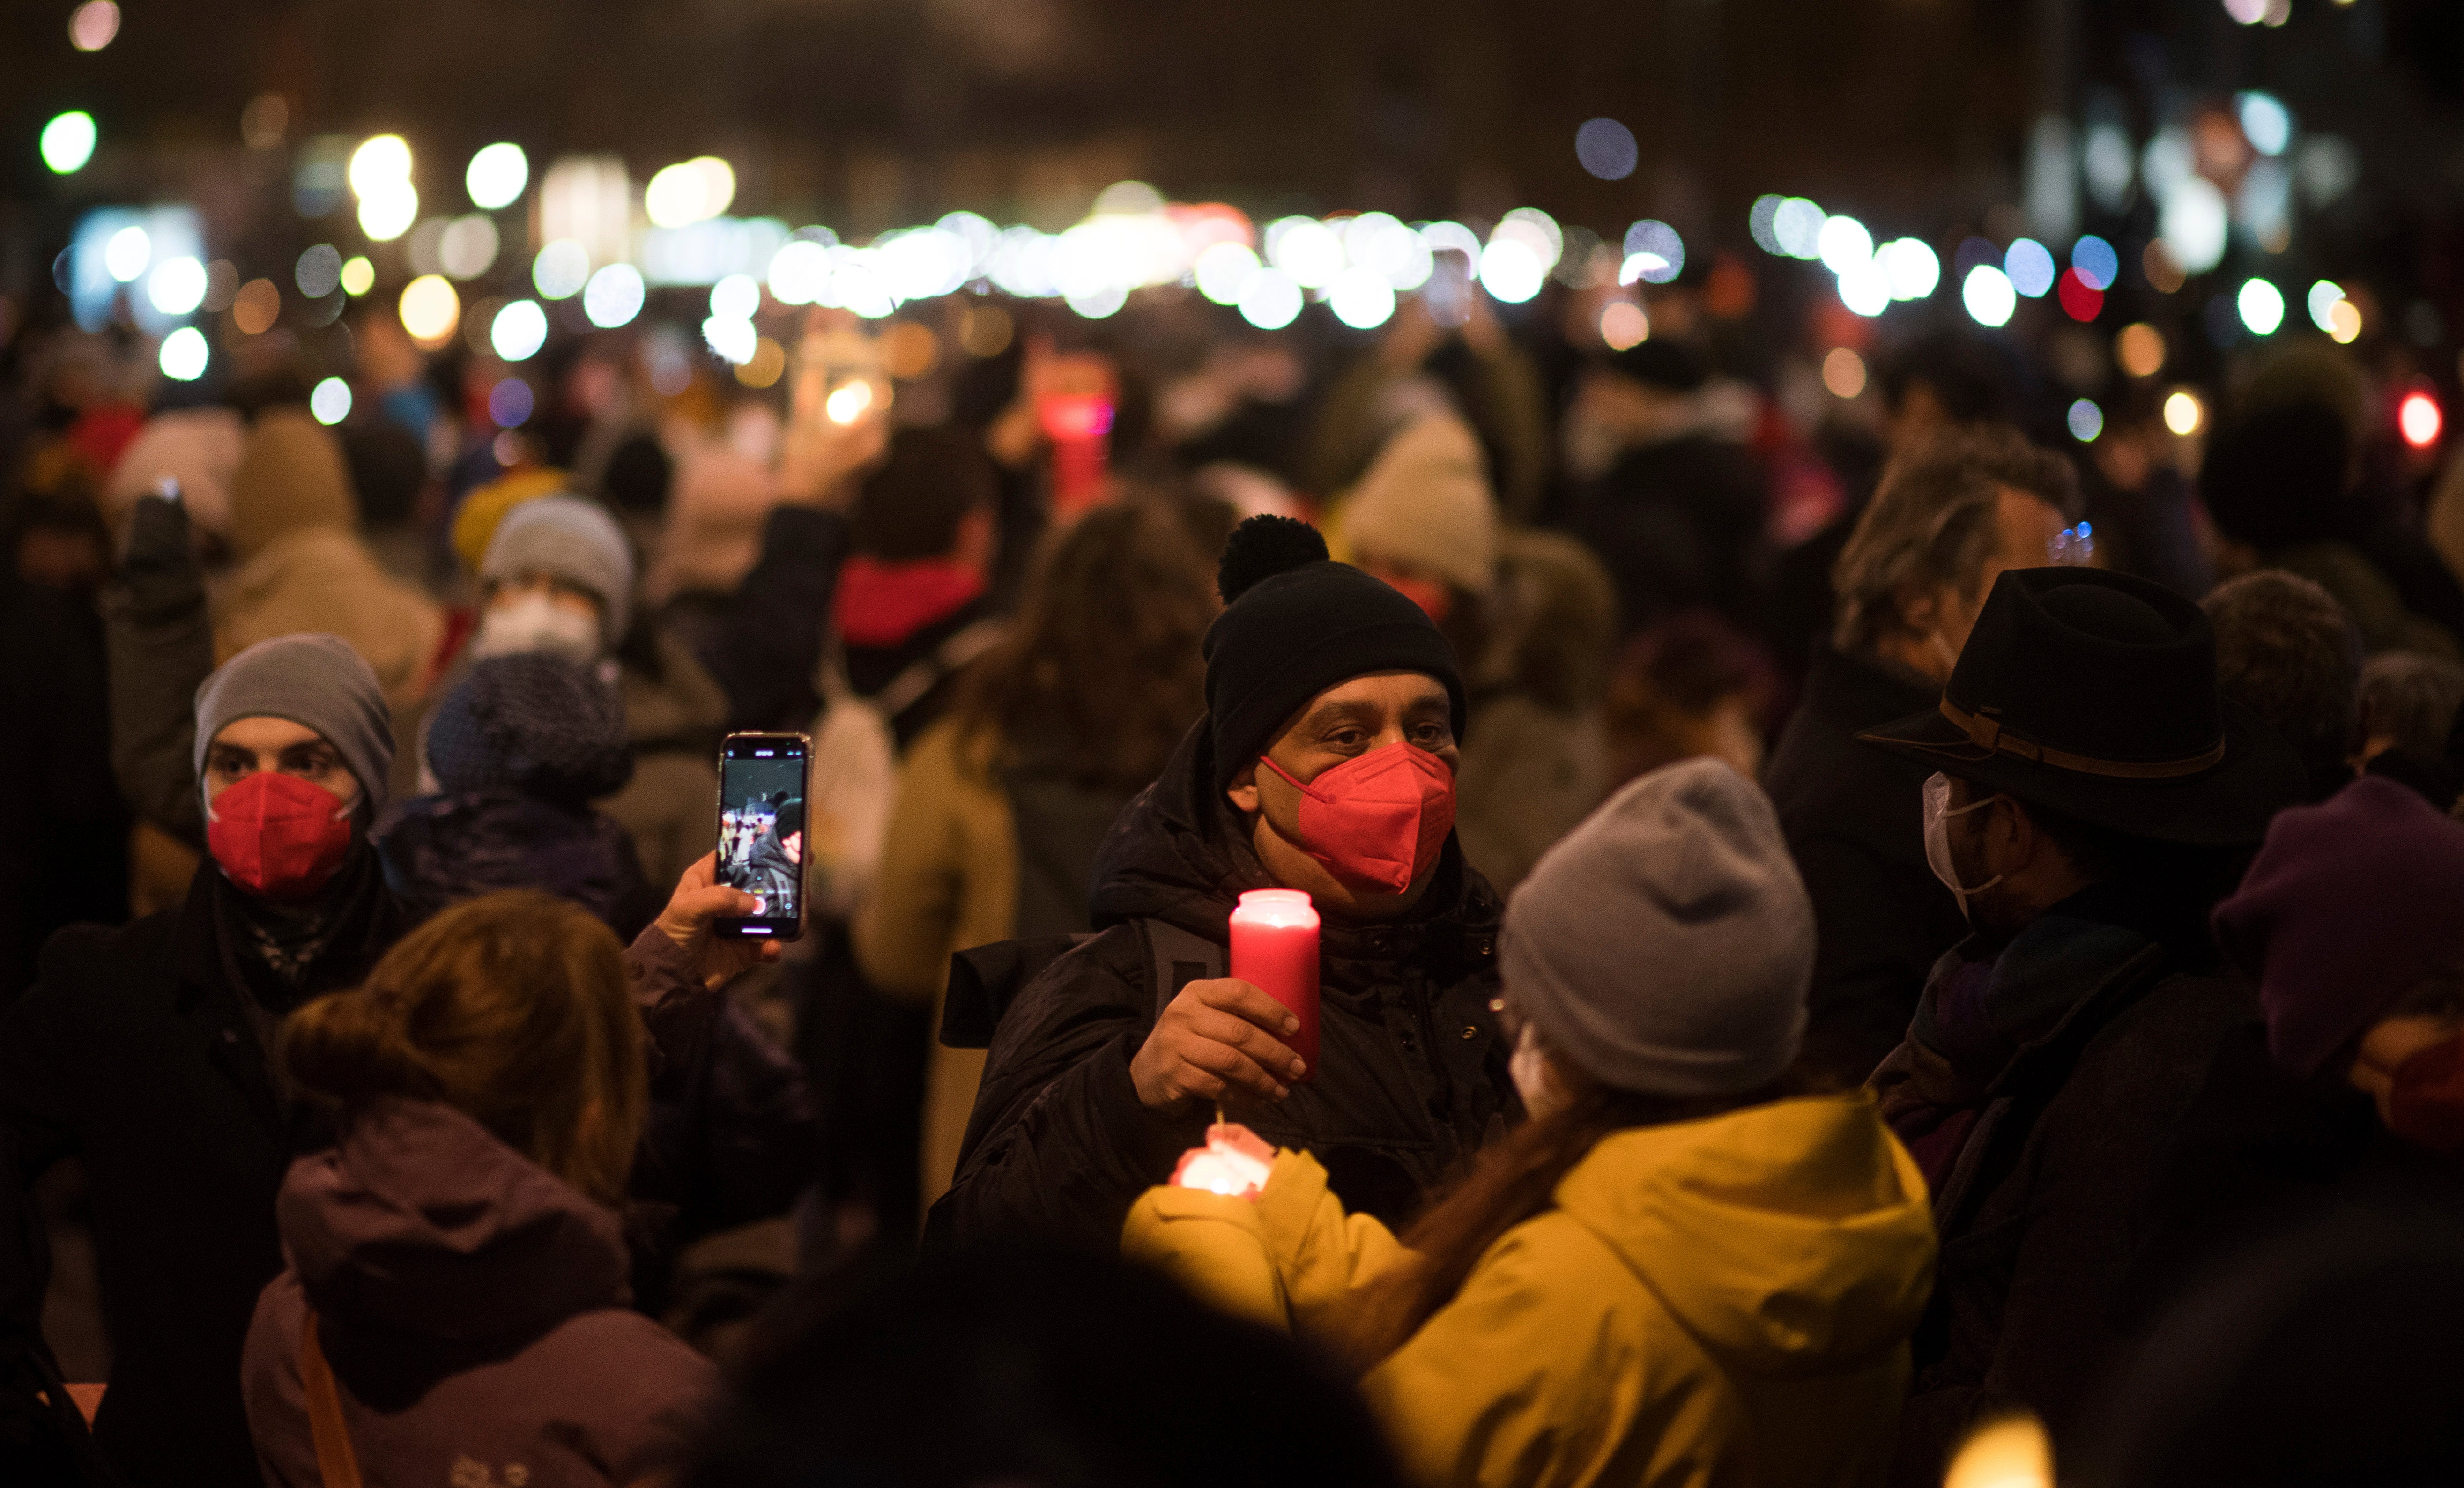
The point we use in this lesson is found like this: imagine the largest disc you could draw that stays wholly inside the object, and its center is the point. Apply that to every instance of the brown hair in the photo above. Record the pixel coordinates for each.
(512, 1009)
(1507, 1184)
(1105, 649)
(1934, 521)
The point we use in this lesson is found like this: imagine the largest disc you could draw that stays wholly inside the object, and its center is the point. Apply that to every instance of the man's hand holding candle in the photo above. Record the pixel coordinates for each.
(1215, 1039)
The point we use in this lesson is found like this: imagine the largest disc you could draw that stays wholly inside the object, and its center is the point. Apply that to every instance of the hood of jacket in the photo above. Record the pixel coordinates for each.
(1180, 853)
(324, 578)
(291, 479)
(422, 1223)
(1790, 1240)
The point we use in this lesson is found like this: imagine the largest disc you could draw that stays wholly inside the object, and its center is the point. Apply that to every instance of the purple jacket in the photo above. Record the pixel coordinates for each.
(474, 1309)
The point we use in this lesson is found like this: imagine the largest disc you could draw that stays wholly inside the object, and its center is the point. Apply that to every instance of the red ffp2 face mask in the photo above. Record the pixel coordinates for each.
(277, 835)
(1378, 822)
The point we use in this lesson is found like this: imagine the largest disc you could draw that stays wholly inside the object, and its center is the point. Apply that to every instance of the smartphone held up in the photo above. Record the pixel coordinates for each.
(762, 787)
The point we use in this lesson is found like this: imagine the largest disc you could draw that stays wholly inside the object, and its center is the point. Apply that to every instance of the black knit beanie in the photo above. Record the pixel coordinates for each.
(1295, 623)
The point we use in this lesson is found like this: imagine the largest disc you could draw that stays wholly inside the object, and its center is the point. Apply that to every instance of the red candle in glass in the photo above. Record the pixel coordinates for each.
(1274, 948)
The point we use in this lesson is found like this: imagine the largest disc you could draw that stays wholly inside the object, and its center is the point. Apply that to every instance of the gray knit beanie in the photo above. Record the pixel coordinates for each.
(1665, 945)
(317, 682)
(573, 540)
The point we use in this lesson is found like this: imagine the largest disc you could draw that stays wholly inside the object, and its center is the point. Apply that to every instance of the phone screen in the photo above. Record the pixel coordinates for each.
(761, 830)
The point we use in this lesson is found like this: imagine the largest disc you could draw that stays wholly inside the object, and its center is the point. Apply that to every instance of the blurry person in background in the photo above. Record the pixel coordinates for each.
(2094, 796)
(2288, 653)
(63, 827)
(892, 596)
(1939, 382)
(389, 472)
(1443, 352)
(1532, 616)
(1951, 514)
(1680, 1269)
(1689, 686)
(198, 448)
(723, 487)
(2279, 482)
(394, 372)
(2408, 706)
(521, 747)
(1668, 493)
(144, 1051)
(556, 577)
(455, 1280)
(302, 565)
(2141, 510)
(1003, 804)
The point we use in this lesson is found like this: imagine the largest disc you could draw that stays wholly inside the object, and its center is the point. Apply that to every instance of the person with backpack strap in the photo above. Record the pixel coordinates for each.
(1325, 763)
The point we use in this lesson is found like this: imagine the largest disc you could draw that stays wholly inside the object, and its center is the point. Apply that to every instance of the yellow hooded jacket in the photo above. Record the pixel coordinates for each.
(1717, 1302)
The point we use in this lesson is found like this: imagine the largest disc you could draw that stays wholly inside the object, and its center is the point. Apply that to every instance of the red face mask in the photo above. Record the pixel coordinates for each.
(2426, 1107)
(277, 835)
(1378, 822)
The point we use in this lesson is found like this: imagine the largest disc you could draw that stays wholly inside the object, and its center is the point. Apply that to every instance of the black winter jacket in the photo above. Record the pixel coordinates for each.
(134, 1054)
(1410, 1078)
(2050, 1197)
(1855, 821)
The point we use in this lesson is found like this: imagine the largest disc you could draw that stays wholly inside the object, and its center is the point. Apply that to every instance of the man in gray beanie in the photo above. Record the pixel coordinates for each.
(1665, 945)
(142, 1050)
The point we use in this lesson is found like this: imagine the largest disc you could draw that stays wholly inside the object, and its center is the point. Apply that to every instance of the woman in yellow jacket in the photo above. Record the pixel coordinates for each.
(1676, 1272)
(1002, 805)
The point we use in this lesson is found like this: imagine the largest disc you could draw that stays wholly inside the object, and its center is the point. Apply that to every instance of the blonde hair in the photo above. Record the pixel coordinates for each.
(511, 1009)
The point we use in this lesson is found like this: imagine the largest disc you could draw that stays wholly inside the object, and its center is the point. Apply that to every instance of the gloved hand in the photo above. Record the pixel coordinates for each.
(159, 571)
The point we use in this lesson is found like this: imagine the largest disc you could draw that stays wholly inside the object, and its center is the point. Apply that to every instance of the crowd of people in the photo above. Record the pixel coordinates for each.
(1835, 936)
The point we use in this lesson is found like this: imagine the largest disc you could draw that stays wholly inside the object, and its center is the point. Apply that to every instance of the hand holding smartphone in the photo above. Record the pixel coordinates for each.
(762, 787)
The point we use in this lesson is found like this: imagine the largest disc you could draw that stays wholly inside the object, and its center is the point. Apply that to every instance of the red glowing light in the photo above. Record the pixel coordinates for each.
(2081, 299)
(2419, 417)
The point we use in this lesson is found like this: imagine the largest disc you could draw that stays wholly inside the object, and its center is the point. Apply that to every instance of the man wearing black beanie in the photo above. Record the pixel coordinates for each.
(1325, 763)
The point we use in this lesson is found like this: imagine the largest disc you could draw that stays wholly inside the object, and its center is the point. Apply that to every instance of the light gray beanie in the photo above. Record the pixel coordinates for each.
(1665, 945)
(317, 682)
(574, 540)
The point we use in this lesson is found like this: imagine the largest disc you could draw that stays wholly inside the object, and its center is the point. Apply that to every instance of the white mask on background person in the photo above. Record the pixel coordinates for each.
(1527, 1066)
(1938, 813)
(535, 622)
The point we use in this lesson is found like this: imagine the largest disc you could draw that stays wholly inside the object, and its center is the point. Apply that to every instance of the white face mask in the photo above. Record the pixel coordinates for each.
(535, 622)
(1937, 837)
(1528, 1068)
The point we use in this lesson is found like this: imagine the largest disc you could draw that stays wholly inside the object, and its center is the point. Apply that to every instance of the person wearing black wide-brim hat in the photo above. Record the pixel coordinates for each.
(2094, 797)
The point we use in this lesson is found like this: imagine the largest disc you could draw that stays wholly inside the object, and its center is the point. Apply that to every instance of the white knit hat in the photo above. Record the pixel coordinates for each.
(1665, 945)
(1424, 503)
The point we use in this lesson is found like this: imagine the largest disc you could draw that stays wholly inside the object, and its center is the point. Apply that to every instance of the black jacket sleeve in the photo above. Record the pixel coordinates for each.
(766, 643)
(36, 1130)
(160, 643)
(1059, 1147)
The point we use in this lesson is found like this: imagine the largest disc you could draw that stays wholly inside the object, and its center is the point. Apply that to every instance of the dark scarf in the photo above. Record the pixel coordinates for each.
(278, 955)
(1987, 1002)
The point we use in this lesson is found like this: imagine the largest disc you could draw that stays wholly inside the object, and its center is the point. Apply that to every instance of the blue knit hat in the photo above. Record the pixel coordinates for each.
(535, 723)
